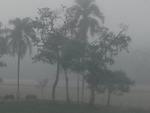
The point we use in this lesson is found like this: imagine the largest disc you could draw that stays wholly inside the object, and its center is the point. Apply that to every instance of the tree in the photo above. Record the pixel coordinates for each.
(51, 41)
(65, 64)
(41, 84)
(86, 18)
(95, 63)
(100, 55)
(20, 41)
(115, 82)
(3, 44)
(57, 43)
(73, 52)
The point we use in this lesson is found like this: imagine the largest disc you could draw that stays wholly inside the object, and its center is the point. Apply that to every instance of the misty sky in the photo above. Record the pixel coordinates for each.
(134, 13)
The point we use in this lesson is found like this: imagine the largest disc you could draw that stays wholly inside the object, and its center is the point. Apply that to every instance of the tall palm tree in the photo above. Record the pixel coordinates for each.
(86, 18)
(3, 43)
(19, 42)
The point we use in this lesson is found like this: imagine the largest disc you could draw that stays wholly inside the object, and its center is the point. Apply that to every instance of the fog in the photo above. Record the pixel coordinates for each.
(66, 72)
(134, 13)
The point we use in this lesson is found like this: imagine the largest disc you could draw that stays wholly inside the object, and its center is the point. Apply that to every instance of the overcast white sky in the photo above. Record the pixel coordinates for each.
(135, 13)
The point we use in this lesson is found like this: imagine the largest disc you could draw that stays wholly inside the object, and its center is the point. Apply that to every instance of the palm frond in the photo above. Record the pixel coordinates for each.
(84, 3)
(95, 11)
(20, 36)
(93, 25)
(28, 43)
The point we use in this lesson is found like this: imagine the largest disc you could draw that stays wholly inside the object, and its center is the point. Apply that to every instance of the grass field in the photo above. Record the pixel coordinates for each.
(47, 107)
(138, 97)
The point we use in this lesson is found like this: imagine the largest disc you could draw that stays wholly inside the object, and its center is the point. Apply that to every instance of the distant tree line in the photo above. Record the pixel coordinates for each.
(76, 41)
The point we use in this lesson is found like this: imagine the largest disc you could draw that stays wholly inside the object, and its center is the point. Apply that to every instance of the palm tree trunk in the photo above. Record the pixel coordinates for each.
(67, 87)
(18, 78)
(55, 82)
(108, 98)
(78, 88)
(92, 97)
(42, 93)
(83, 87)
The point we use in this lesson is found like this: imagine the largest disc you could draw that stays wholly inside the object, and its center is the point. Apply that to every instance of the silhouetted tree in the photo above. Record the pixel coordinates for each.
(20, 41)
(86, 18)
(100, 55)
(95, 63)
(65, 64)
(3, 44)
(115, 82)
(74, 52)
(41, 84)
(51, 41)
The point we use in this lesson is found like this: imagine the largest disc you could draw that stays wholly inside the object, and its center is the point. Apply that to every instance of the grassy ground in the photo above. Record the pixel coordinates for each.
(47, 107)
(135, 98)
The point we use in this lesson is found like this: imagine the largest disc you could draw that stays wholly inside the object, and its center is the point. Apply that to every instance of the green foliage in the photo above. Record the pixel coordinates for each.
(101, 53)
(3, 44)
(20, 36)
(19, 39)
(63, 40)
(50, 36)
(115, 82)
(86, 17)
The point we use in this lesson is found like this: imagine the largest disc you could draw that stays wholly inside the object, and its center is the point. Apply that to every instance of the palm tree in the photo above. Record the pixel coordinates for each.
(87, 17)
(3, 44)
(19, 42)
(74, 53)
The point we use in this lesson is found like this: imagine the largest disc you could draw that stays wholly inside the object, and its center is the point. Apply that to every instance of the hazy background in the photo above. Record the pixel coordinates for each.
(134, 13)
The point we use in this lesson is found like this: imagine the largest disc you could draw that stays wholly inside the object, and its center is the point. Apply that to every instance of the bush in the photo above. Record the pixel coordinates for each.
(31, 97)
(8, 97)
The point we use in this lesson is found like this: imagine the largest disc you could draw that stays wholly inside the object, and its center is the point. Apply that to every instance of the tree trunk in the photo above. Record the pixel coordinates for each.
(78, 88)
(55, 82)
(18, 78)
(92, 97)
(108, 98)
(83, 87)
(67, 87)
(42, 93)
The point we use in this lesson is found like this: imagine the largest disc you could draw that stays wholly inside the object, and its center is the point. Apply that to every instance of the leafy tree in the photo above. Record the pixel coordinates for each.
(20, 41)
(41, 84)
(115, 82)
(65, 63)
(57, 43)
(51, 41)
(3, 44)
(100, 54)
(86, 18)
(72, 54)
(95, 64)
